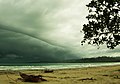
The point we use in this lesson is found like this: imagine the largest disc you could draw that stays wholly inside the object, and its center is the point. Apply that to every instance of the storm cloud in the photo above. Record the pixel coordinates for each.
(45, 30)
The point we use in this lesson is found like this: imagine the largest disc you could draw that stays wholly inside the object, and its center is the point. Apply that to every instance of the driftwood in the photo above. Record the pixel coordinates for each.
(31, 78)
(87, 79)
(48, 71)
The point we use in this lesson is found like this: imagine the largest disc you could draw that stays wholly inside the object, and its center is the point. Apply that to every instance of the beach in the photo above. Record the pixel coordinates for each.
(88, 75)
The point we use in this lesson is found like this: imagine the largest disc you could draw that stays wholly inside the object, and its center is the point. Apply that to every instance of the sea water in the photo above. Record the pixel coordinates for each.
(42, 66)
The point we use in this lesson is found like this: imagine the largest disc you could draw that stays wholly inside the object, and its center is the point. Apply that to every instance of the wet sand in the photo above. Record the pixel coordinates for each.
(90, 75)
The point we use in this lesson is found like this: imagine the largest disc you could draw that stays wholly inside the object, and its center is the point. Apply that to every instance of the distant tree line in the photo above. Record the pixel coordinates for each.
(95, 60)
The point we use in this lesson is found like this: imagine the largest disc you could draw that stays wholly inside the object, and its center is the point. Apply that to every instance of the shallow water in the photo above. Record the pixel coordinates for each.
(33, 66)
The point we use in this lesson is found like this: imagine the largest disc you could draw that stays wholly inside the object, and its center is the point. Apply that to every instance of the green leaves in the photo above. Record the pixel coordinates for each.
(103, 23)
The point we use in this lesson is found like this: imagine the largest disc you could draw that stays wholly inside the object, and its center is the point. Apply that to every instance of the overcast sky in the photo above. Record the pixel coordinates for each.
(45, 28)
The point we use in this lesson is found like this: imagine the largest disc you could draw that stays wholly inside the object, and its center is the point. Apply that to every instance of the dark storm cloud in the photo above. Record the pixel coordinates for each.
(18, 47)
(44, 30)
(27, 33)
(24, 31)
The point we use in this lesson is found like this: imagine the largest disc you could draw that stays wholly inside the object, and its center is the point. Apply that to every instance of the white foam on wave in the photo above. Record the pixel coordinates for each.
(56, 66)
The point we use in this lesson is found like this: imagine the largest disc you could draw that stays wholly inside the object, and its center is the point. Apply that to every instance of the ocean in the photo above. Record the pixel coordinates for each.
(42, 66)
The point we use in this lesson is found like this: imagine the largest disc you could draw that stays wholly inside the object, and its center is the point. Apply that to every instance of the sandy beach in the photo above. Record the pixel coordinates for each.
(91, 75)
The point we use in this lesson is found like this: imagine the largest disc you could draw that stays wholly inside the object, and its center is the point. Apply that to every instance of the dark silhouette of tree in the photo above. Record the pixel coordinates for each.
(103, 25)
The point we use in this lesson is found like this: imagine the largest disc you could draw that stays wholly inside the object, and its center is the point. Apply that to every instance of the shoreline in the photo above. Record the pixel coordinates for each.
(63, 68)
(56, 66)
(86, 75)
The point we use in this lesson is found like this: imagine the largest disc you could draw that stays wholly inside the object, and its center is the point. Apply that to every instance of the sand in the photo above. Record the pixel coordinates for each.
(91, 75)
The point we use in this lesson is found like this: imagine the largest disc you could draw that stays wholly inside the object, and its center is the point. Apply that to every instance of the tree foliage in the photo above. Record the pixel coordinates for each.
(103, 25)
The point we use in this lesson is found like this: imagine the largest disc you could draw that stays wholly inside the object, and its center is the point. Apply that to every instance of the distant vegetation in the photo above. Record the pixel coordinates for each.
(94, 59)
(81, 60)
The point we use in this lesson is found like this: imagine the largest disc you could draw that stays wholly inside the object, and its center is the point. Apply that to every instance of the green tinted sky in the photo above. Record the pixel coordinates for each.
(45, 29)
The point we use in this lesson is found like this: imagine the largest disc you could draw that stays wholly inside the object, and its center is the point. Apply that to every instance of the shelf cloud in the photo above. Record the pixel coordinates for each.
(45, 30)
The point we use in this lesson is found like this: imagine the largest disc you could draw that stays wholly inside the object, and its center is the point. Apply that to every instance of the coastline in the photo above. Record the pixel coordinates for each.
(86, 75)
(54, 66)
